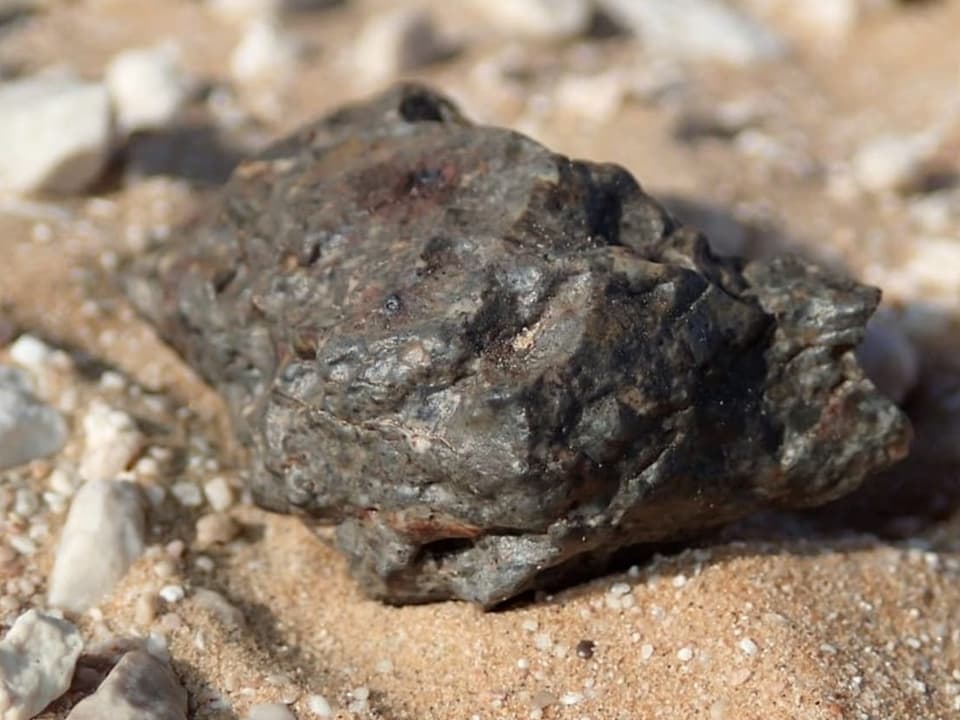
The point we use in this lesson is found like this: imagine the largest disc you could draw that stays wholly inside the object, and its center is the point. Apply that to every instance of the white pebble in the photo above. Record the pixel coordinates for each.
(748, 646)
(542, 641)
(265, 54)
(541, 19)
(270, 711)
(646, 651)
(679, 581)
(30, 352)
(102, 536)
(697, 29)
(396, 41)
(571, 698)
(319, 706)
(148, 86)
(37, 659)
(685, 654)
(892, 162)
(56, 131)
(219, 493)
(111, 441)
(187, 493)
(619, 589)
(172, 593)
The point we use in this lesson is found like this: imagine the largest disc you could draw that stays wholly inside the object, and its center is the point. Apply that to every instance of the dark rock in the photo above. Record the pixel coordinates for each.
(493, 366)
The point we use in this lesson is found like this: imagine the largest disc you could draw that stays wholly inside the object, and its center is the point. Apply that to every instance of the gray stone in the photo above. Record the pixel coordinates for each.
(29, 429)
(697, 30)
(37, 659)
(493, 366)
(139, 687)
(103, 535)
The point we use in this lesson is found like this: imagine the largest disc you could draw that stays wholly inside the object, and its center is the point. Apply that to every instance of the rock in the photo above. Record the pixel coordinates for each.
(111, 442)
(56, 133)
(148, 86)
(492, 366)
(888, 357)
(103, 535)
(215, 529)
(270, 711)
(245, 11)
(397, 41)
(214, 602)
(30, 352)
(140, 687)
(29, 429)
(265, 54)
(893, 162)
(319, 706)
(697, 30)
(540, 19)
(597, 98)
(37, 659)
(219, 494)
(824, 22)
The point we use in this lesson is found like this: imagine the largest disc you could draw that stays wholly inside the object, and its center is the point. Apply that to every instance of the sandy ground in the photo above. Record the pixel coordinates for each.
(779, 618)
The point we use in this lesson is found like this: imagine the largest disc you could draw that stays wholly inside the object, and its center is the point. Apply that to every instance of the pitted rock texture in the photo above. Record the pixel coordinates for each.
(492, 366)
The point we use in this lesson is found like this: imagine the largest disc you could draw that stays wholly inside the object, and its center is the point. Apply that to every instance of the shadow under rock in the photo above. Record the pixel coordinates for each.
(198, 153)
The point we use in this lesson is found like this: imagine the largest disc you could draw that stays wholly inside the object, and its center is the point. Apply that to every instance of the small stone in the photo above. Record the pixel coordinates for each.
(539, 19)
(56, 133)
(28, 428)
(31, 352)
(270, 711)
(146, 608)
(103, 535)
(219, 493)
(140, 687)
(215, 529)
(319, 706)
(218, 605)
(696, 29)
(646, 651)
(148, 86)
(597, 98)
(397, 41)
(243, 11)
(748, 646)
(187, 493)
(111, 441)
(37, 659)
(585, 649)
(893, 162)
(685, 654)
(172, 593)
(264, 55)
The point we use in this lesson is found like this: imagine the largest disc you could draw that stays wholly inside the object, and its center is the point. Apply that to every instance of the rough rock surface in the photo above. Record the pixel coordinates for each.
(492, 366)
(103, 535)
(37, 659)
(139, 687)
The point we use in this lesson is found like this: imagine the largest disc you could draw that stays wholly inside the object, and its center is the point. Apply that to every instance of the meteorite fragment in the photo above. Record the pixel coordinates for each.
(491, 365)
